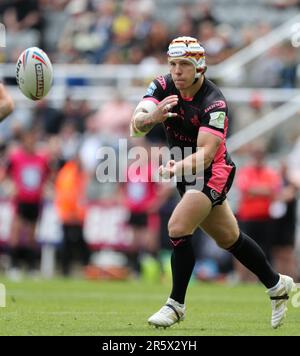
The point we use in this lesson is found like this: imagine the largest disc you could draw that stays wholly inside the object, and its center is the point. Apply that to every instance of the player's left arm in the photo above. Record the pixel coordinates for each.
(6, 103)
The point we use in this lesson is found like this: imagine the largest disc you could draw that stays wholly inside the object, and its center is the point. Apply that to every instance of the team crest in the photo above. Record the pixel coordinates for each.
(195, 121)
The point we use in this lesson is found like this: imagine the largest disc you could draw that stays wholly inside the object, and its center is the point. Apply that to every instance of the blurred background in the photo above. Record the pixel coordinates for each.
(105, 54)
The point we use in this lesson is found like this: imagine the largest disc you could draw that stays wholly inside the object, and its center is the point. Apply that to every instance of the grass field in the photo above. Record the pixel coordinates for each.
(78, 307)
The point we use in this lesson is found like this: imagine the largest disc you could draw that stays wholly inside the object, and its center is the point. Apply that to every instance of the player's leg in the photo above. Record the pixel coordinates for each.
(30, 220)
(283, 246)
(138, 225)
(190, 211)
(32, 247)
(149, 246)
(15, 248)
(222, 226)
(66, 249)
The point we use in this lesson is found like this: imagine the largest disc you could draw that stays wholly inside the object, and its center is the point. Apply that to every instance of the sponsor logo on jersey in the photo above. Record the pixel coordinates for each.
(151, 89)
(215, 195)
(178, 136)
(220, 104)
(217, 119)
(162, 81)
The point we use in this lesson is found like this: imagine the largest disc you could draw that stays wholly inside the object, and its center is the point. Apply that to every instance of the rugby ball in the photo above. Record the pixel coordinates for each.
(34, 73)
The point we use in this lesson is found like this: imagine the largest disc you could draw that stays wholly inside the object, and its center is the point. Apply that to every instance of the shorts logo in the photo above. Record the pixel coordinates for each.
(217, 119)
(215, 195)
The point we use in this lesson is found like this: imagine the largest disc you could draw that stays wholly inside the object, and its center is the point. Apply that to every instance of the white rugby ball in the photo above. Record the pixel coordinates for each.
(34, 73)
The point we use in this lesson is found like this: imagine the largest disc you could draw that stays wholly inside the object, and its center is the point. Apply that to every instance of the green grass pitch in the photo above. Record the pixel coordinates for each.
(79, 307)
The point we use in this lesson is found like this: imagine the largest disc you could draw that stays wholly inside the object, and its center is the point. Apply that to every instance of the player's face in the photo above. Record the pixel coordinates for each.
(182, 72)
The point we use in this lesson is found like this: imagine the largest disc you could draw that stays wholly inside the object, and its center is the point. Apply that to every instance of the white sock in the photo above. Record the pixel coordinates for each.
(172, 301)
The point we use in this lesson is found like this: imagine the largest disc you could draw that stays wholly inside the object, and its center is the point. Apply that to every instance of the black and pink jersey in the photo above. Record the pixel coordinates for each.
(207, 111)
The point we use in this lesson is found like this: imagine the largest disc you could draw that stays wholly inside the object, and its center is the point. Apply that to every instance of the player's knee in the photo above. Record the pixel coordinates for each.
(176, 229)
(228, 238)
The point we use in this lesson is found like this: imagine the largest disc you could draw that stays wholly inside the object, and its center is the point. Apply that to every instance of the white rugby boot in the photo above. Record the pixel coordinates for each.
(171, 313)
(279, 296)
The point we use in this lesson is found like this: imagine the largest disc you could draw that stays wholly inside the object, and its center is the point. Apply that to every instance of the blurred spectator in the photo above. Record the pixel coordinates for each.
(22, 20)
(288, 74)
(105, 12)
(284, 213)
(201, 12)
(29, 170)
(143, 198)
(123, 30)
(144, 19)
(70, 141)
(113, 117)
(54, 17)
(19, 15)
(266, 71)
(258, 184)
(91, 142)
(157, 40)
(282, 4)
(70, 201)
(49, 119)
(78, 39)
(76, 113)
(214, 41)
(294, 164)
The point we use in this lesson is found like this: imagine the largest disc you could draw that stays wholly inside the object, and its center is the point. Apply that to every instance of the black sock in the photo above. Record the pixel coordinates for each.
(249, 253)
(15, 257)
(32, 258)
(134, 262)
(182, 262)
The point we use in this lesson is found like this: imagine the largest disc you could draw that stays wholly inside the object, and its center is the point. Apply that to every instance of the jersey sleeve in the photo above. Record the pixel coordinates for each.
(215, 119)
(157, 90)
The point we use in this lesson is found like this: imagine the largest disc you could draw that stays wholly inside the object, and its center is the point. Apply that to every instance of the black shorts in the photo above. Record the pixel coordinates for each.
(138, 220)
(283, 233)
(215, 197)
(28, 211)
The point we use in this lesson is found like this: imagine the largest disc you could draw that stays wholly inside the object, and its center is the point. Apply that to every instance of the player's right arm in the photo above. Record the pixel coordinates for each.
(148, 113)
(6, 103)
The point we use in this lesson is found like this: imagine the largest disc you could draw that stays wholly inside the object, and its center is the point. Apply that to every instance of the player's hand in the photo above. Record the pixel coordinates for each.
(167, 171)
(164, 108)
